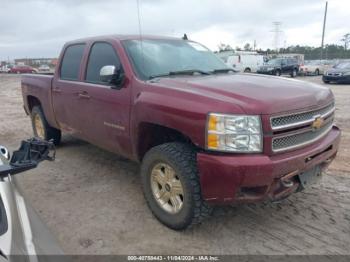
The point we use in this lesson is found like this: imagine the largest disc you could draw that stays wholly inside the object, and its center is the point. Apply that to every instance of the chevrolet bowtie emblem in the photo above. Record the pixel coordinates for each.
(318, 123)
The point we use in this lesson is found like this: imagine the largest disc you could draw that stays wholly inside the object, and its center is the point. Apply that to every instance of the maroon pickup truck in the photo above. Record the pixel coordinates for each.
(205, 135)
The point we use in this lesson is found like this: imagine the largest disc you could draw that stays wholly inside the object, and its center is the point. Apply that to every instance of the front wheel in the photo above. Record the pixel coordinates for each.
(317, 72)
(171, 185)
(278, 72)
(41, 127)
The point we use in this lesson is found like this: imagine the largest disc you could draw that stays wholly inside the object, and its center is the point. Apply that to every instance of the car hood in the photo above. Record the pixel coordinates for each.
(338, 70)
(253, 93)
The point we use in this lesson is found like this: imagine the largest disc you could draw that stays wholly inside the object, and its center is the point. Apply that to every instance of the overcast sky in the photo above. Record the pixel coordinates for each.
(39, 28)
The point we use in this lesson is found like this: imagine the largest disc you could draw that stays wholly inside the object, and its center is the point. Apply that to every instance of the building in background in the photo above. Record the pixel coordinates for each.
(36, 62)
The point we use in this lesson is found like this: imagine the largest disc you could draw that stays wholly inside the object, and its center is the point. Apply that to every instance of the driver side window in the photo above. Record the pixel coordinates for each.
(101, 54)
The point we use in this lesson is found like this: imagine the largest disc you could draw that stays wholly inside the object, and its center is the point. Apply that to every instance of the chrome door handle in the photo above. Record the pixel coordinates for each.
(56, 90)
(84, 95)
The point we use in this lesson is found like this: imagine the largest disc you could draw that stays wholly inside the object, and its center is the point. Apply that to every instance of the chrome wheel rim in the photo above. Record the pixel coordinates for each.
(167, 188)
(39, 127)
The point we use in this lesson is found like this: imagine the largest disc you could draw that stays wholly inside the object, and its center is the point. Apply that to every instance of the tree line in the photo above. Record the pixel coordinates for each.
(331, 51)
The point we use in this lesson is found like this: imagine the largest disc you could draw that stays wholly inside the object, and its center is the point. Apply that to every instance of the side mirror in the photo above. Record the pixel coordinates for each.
(4, 154)
(113, 75)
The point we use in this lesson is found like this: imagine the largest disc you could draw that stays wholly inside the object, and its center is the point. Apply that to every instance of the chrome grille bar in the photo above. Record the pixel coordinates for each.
(293, 141)
(300, 119)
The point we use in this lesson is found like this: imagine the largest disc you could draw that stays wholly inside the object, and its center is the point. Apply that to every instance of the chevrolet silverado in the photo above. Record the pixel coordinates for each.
(204, 134)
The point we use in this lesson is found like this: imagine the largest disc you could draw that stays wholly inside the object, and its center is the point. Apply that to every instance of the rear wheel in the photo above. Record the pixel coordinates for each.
(317, 72)
(171, 185)
(247, 70)
(294, 73)
(41, 127)
(325, 81)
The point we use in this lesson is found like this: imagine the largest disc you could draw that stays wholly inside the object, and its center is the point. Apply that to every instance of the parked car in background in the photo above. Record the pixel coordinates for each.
(5, 69)
(245, 62)
(315, 67)
(204, 134)
(23, 69)
(44, 69)
(22, 232)
(340, 73)
(280, 66)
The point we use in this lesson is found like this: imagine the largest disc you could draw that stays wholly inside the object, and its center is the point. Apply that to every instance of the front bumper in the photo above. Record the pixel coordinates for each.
(337, 79)
(265, 72)
(228, 179)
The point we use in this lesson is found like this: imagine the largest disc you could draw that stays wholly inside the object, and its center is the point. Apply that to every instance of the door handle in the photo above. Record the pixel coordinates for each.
(56, 90)
(84, 94)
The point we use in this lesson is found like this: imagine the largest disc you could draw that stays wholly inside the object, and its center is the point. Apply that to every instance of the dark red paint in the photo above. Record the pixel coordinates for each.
(182, 103)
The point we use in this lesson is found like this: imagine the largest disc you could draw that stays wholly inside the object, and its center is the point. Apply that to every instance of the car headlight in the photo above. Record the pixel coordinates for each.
(234, 133)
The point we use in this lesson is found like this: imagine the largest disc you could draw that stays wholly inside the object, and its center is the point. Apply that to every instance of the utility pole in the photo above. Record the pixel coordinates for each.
(324, 28)
(277, 31)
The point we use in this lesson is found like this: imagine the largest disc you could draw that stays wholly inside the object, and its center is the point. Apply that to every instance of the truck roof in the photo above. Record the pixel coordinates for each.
(121, 37)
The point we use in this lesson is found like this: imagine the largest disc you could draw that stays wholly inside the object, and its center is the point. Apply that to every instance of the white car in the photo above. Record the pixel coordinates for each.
(312, 68)
(23, 236)
(44, 68)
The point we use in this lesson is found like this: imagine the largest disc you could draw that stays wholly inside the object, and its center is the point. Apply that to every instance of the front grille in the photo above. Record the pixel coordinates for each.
(299, 119)
(294, 141)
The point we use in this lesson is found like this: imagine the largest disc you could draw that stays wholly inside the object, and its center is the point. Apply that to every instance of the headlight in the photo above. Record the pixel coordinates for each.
(234, 133)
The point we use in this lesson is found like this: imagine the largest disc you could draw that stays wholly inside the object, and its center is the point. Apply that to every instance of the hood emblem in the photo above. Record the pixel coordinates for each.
(318, 123)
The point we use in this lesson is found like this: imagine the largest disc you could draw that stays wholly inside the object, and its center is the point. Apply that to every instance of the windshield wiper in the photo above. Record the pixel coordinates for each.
(181, 72)
(223, 70)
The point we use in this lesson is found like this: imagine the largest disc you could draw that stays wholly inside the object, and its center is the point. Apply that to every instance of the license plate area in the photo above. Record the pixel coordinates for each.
(310, 176)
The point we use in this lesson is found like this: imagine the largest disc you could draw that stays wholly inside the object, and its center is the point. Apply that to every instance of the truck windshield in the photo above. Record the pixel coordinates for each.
(167, 57)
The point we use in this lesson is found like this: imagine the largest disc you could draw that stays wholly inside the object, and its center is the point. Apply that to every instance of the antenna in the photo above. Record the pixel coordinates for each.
(140, 32)
(324, 28)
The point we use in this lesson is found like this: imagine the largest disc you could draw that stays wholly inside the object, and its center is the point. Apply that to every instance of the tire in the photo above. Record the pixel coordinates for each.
(325, 81)
(278, 72)
(18, 72)
(317, 72)
(247, 70)
(294, 73)
(33, 72)
(41, 127)
(181, 158)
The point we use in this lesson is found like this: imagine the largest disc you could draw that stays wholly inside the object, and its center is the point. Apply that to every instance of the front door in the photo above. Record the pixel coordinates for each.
(106, 108)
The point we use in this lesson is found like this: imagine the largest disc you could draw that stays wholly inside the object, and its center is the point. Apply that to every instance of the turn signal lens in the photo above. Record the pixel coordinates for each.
(213, 141)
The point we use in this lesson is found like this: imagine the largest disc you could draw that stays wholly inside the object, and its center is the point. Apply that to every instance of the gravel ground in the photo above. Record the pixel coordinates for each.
(92, 201)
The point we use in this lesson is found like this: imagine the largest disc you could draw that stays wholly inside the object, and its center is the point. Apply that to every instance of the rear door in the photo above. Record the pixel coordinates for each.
(106, 108)
(66, 88)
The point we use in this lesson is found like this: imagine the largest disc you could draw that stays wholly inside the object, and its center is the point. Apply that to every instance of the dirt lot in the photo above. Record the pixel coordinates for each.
(92, 201)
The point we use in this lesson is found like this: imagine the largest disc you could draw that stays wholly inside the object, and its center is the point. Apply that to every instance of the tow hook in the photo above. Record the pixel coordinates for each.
(287, 183)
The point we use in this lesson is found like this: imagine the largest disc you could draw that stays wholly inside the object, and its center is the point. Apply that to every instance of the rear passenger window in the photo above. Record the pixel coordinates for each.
(101, 54)
(71, 62)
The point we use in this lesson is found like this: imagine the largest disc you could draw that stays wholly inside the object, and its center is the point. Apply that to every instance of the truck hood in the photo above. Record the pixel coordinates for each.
(253, 93)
